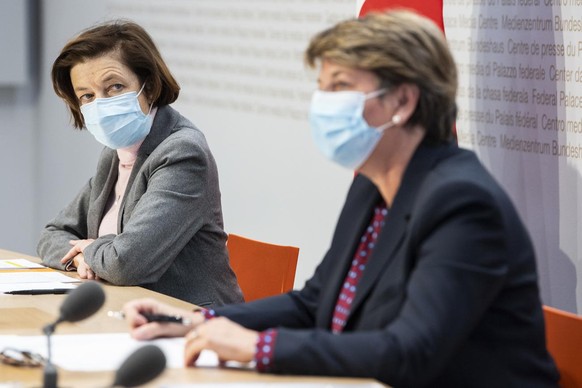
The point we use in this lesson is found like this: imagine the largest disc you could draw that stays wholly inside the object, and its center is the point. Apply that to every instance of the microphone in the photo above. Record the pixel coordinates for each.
(80, 303)
(143, 365)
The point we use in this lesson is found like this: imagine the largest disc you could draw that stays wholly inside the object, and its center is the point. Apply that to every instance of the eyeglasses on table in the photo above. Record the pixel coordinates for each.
(16, 357)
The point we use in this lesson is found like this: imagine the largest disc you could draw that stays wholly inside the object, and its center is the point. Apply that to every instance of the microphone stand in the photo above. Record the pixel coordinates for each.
(79, 304)
(50, 376)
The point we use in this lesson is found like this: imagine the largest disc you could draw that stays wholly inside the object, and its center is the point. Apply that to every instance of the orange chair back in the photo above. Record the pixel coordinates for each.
(564, 341)
(262, 269)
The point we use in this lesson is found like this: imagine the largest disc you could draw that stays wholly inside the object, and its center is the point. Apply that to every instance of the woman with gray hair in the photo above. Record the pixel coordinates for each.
(430, 279)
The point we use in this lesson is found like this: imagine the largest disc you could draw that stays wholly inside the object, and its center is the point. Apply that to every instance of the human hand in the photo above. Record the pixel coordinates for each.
(76, 255)
(229, 340)
(141, 329)
(83, 269)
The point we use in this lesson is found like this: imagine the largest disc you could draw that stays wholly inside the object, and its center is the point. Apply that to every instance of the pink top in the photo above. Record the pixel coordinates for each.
(127, 157)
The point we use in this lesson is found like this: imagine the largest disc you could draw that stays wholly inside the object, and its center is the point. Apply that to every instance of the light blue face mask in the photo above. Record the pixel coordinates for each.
(117, 122)
(339, 129)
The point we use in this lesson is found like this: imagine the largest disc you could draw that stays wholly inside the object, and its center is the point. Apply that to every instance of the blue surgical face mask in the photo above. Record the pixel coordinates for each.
(117, 122)
(339, 129)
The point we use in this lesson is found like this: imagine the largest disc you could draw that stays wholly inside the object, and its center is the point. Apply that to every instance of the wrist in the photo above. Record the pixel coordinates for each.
(252, 347)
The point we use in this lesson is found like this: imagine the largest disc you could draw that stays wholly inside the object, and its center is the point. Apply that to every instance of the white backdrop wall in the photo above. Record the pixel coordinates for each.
(17, 125)
(520, 103)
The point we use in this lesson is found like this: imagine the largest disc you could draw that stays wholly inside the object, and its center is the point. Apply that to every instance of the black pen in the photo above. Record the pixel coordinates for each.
(162, 318)
(53, 291)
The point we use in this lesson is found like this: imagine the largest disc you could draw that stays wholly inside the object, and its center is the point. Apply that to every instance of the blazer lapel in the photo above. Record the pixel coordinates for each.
(164, 121)
(395, 226)
(353, 220)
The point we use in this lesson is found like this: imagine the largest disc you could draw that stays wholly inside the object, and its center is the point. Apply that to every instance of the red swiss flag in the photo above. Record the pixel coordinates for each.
(429, 8)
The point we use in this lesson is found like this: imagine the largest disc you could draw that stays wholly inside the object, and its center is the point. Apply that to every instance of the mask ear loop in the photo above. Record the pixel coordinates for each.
(394, 121)
(151, 104)
(376, 93)
(150, 110)
(141, 90)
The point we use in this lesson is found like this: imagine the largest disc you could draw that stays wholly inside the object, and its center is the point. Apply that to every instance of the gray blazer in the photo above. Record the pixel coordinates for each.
(170, 235)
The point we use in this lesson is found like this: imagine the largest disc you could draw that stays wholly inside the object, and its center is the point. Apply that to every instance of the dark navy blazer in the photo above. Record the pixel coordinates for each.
(449, 297)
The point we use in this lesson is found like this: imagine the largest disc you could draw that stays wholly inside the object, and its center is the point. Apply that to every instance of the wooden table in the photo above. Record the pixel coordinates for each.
(26, 315)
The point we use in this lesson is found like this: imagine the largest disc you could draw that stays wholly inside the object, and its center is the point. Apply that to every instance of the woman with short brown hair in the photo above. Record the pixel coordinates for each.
(151, 215)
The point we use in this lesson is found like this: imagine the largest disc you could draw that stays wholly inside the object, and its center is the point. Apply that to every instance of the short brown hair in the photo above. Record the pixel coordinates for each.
(135, 49)
(399, 47)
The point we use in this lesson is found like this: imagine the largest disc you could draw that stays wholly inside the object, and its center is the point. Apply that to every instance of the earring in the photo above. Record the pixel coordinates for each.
(396, 119)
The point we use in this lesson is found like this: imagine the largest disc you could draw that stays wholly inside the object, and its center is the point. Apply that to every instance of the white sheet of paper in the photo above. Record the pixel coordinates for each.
(106, 352)
(35, 277)
(19, 264)
(35, 286)
(102, 352)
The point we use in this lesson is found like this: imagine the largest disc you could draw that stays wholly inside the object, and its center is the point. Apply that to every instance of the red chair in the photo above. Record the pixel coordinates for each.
(564, 341)
(262, 269)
